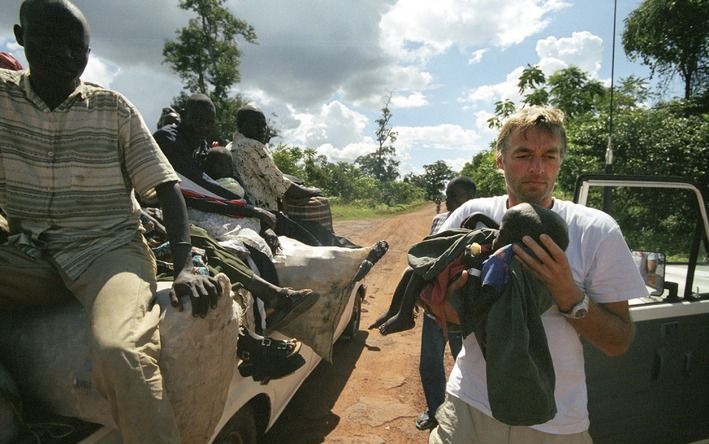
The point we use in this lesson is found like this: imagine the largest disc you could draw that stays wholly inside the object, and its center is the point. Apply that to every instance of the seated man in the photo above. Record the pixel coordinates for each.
(268, 187)
(69, 196)
(185, 146)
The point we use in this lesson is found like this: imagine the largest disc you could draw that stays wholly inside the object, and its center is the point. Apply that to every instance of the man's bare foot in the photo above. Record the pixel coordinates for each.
(396, 324)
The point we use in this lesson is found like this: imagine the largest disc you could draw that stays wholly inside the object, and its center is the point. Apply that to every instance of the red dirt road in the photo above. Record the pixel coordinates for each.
(371, 394)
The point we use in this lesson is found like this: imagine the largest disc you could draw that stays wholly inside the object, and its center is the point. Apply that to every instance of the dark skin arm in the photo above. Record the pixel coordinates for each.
(202, 290)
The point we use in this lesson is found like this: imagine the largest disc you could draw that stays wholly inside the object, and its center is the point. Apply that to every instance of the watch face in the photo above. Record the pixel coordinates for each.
(581, 313)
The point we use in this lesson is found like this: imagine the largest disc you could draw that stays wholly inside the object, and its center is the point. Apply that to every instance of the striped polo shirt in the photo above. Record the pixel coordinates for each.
(68, 175)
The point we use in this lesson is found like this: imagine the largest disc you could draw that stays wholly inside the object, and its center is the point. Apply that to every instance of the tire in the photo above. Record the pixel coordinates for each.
(241, 428)
(352, 328)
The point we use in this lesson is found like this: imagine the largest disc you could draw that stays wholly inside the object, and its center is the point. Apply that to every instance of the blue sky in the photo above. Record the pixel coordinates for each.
(321, 69)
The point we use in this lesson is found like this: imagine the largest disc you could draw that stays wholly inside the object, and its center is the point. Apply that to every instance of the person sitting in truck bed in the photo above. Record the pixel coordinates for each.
(268, 187)
(186, 148)
(68, 192)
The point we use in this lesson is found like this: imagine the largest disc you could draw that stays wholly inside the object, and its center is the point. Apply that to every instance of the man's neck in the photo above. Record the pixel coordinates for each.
(53, 95)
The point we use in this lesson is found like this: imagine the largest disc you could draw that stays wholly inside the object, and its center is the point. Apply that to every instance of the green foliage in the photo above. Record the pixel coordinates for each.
(434, 179)
(483, 170)
(571, 90)
(343, 180)
(206, 56)
(382, 163)
(670, 36)
(288, 160)
(503, 109)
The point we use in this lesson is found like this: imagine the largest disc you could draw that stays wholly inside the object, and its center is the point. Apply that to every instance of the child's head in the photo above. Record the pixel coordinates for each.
(531, 220)
(218, 163)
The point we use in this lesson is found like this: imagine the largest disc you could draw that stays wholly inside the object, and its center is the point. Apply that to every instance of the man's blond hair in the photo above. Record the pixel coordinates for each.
(545, 118)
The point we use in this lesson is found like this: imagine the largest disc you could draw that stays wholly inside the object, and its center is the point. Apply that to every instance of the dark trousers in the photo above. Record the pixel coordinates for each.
(431, 368)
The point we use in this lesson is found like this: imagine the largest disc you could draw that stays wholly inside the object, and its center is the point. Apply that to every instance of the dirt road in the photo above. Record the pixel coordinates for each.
(371, 394)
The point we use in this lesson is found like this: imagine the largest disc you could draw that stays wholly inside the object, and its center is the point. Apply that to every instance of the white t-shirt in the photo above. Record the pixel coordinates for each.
(602, 267)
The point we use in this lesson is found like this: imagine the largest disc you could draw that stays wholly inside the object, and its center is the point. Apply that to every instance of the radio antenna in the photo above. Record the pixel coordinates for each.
(607, 197)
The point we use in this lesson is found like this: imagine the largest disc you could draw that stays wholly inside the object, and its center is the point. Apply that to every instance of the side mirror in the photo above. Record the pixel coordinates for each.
(652, 268)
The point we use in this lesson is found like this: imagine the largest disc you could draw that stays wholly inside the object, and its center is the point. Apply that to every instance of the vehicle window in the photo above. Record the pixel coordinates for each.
(662, 222)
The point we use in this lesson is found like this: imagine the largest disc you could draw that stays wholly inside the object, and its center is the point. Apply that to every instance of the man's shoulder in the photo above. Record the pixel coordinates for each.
(167, 133)
(483, 204)
(583, 216)
(10, 79)
(440, 217)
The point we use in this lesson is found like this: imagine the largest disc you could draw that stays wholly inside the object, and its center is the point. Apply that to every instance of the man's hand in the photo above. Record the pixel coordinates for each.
(203, 292)
(271, 239)
(552, 268)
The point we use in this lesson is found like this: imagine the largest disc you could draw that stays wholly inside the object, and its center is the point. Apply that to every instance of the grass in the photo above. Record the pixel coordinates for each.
(355, 212)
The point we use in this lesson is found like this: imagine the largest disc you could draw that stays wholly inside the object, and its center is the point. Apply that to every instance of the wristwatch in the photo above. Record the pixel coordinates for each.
(578, 311)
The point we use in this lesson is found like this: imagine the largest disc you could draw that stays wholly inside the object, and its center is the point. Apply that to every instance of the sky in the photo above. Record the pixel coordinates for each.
(321, 70)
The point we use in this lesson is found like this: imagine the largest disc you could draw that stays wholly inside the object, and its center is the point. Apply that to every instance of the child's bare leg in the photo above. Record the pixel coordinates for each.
(404, 319)
(396, 299)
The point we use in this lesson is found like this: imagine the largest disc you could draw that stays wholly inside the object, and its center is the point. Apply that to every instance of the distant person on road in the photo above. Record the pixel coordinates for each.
(590, 284)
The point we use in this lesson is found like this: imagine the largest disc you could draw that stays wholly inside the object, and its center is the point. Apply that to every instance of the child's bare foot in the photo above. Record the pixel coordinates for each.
(380, 320)
(396, 324)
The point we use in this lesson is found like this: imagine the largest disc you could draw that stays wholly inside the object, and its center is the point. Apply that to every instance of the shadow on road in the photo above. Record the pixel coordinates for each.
(308, 418)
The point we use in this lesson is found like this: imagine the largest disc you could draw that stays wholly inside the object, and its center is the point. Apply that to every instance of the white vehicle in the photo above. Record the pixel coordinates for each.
(251, 408)
(658, 392)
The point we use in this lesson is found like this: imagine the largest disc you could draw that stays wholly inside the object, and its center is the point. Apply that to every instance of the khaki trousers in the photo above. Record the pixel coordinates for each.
(117, 292)
(460, 423)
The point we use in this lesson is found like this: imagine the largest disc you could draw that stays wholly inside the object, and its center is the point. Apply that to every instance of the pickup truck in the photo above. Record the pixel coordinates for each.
(658, 392)
(250, 408)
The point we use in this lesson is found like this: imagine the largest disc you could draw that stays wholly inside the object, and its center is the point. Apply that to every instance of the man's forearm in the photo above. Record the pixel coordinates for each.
(607, 326)
(176, 224)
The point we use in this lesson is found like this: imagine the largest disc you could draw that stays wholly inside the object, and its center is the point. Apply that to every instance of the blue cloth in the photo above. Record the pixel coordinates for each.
(431, 368)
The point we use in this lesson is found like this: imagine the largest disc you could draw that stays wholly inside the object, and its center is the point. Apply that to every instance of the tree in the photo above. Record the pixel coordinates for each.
(532, 78)
(572, 91)
(483, 170)
(381, 164)
(671, 36)
(434, 179)
(206, 56)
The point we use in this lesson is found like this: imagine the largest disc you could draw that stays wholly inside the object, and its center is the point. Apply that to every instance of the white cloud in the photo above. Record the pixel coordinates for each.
(333, 124)
(100, 71)
(477, 56)
(416, 30)
(494, 92)
(415, 100)
(582, 49)
(439, 137)
(347, 153)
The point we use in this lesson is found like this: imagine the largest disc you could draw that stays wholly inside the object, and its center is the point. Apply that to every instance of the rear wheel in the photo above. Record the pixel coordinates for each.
(241, 428)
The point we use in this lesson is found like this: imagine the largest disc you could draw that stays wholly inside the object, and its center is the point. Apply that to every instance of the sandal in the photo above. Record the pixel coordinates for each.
(264, 372)
(250, 348)
(267, 358)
